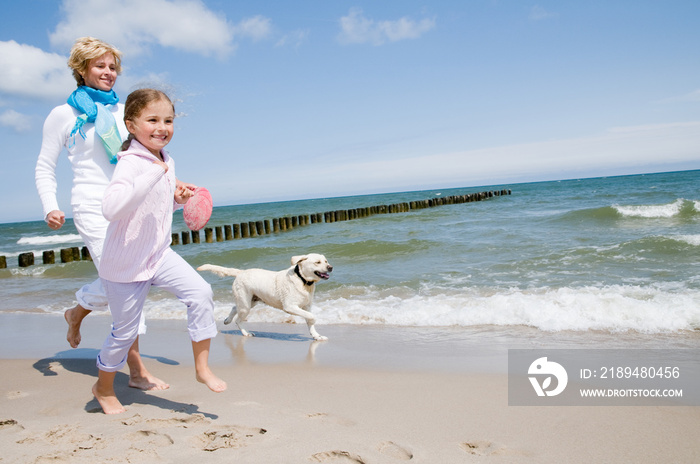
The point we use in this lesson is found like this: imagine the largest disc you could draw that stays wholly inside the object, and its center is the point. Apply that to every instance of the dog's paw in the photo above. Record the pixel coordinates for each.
(227, 320)
(320, 338)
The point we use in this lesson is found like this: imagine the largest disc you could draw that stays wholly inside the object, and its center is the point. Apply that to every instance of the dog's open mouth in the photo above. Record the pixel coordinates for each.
(323, 275)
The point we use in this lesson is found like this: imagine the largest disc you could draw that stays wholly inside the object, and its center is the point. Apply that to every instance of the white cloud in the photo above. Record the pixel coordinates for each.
(31, 72)
(160, 81)
(618, 148)
(135, 25)
(17, 121)
(255, 28)
(693, 96)
(537, 13)
(294, 38)
(621, 150)
(356, 28)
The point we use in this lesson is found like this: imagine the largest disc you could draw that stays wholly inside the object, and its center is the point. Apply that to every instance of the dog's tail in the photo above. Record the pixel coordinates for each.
(219, 270)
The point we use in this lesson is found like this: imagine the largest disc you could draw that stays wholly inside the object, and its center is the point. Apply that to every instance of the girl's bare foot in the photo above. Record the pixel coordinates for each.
(207, 377)
(147, 382)
(108, 400)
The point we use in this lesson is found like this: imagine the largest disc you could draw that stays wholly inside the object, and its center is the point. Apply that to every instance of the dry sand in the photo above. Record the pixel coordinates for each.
(295, 409)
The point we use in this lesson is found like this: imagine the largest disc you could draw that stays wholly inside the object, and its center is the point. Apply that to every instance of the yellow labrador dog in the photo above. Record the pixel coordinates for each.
(291, 290)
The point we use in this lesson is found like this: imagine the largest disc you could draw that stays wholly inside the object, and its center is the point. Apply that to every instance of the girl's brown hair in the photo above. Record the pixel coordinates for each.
(86, 49)
(135, 104)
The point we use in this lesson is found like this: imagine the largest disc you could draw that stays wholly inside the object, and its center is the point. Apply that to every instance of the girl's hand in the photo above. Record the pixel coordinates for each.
(161, 164)
(179, 183)
(55, 219)
(182, 194)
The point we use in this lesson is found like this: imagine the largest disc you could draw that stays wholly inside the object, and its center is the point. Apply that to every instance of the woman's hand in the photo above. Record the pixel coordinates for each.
(55, 219)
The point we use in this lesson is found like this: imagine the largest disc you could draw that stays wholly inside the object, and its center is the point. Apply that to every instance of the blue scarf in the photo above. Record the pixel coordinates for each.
(91, 102)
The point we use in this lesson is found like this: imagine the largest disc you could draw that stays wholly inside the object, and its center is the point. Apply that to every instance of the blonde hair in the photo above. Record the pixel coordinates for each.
(135, 104)
(88, 48)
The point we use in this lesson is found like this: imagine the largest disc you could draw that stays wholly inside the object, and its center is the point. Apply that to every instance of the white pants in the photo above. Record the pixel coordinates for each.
(126, 304)
(92, 227)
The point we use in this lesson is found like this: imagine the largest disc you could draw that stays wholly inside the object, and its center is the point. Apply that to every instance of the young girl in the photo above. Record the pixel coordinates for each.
(139, 203)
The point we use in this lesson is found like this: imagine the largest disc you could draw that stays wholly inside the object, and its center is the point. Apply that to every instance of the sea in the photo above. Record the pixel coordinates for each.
(587, 258)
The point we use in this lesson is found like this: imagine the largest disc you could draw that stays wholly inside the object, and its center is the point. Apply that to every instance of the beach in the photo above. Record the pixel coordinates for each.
(367, 395)
(422, 310)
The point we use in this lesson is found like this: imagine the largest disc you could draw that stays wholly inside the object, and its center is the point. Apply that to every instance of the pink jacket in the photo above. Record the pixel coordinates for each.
(139, 204)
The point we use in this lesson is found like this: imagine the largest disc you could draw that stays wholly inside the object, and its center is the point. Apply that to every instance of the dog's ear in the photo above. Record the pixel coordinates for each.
(297, 259)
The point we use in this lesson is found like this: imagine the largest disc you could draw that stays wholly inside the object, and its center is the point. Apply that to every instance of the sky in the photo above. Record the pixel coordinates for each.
(280, 100)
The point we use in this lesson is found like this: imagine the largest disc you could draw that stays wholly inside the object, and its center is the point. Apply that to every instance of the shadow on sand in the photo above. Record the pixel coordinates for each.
(82, 361)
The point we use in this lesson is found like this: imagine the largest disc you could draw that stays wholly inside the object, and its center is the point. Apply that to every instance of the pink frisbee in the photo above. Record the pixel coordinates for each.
(198, 209)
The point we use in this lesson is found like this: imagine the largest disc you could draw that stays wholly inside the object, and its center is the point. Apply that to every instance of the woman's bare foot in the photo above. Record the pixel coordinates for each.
(108, 400)
(139, 377)
(147, 382)
(74, 317)
(207, 377)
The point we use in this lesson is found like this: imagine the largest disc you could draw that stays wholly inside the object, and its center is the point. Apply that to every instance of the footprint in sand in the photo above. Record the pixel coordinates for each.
(9, 424)
(133, 420)
(337, 456)
(337, 420)
(66, 439)
(482, 448)
(392, 450)
(69, 435)
(173, 421)
(149, 437)
(228, 437)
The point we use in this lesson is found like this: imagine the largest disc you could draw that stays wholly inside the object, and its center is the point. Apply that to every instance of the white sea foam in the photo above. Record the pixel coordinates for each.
(651, 211)
(689, 239)
(613, 309)
(50, 239)
(31, 271)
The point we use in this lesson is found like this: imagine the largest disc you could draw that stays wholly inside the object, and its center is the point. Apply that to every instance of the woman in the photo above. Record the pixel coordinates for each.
(90, 127)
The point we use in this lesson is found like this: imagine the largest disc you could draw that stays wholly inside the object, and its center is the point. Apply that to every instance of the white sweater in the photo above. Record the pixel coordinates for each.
(91, 168)
(139, 204)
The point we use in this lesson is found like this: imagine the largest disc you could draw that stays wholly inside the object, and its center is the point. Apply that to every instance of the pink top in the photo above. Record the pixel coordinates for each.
(139, 204)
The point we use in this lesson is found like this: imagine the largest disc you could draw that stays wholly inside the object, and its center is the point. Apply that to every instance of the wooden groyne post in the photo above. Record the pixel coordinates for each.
(249, 229)
(67, 255)
(259, 228)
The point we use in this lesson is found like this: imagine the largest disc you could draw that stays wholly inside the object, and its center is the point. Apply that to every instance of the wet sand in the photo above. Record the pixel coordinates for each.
(372, 395)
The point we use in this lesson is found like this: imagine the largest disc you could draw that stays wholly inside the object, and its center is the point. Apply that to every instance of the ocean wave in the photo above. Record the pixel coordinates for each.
(652, 247)
(31, 271)
(680, 207)
(605, 213)
(50, 239)
(613, 309)
(693, 240)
